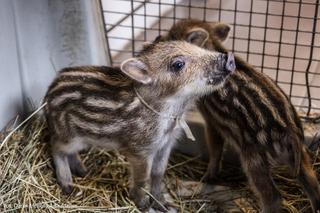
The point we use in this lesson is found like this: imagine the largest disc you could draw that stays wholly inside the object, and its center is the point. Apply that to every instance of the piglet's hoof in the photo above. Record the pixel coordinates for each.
(211, 178)
(67, 189)
(143, 205)
(80, 172)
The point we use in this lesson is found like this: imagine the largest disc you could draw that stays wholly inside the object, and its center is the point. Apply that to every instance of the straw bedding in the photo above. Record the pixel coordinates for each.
(28, 184)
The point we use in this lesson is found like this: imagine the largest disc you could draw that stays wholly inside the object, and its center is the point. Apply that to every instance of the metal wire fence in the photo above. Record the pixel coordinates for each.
(280, 38)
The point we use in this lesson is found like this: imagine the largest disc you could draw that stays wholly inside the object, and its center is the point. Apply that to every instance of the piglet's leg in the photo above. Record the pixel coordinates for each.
(63, 172)
(76, 165)
(61, 164)
(140, 166)
(215, 148)
(308, 178)
(256, 168)
(159, 166)
(214, 142)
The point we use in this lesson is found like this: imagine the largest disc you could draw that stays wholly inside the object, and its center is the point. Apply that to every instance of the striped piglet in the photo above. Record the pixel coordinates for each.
(137, 109)
(253, 114)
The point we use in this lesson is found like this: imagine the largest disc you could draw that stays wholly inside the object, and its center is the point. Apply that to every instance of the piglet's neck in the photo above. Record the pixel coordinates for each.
(168, 106)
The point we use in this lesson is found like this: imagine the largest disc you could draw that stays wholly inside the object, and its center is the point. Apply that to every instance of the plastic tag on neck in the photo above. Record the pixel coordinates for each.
(181, 123)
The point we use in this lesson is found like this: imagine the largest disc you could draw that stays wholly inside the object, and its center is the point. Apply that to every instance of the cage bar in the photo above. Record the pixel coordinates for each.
(279, 38)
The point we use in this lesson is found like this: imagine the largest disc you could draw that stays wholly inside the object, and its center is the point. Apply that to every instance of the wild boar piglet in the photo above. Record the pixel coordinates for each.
(252, 113)
(137, 109)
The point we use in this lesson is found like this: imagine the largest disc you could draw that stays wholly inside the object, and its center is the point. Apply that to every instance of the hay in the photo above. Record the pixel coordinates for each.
(28, 184)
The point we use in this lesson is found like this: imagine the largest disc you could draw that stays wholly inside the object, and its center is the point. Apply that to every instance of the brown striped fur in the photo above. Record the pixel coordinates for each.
(255, 116)
(98, 106)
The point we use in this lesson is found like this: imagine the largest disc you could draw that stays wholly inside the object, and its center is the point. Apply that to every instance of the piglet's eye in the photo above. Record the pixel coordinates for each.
(177, 66)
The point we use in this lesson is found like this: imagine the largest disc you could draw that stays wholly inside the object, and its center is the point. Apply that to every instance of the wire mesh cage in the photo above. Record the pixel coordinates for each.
(280, 38)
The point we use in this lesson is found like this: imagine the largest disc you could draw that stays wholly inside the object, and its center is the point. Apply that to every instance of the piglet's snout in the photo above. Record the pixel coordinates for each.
(226, 62)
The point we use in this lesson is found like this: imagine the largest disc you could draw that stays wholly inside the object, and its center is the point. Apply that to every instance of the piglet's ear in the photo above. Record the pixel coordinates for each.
(197, 36)
(158, 39)
(136, 69)
(220, 30)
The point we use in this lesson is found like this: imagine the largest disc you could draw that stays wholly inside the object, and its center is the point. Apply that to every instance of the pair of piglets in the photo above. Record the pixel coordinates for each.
(136, 109)
(253, 114)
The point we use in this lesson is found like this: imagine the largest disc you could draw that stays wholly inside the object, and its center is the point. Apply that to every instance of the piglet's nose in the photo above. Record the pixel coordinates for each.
(226, 62)
(231, 63)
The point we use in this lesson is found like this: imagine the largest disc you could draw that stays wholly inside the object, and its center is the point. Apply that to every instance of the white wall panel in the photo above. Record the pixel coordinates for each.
(38, 38)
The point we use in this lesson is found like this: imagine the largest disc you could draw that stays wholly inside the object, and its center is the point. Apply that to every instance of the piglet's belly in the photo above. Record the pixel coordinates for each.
(79, 143)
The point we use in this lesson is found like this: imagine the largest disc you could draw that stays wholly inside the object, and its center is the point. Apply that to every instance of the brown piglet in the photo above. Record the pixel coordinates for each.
(254, 115)
(137, 109)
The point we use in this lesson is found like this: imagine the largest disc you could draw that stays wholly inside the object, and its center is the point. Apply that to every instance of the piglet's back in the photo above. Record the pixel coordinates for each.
(84, 100)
